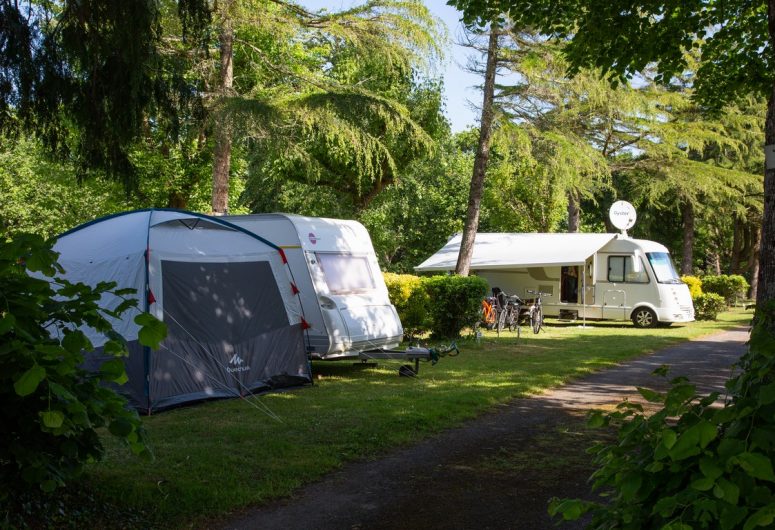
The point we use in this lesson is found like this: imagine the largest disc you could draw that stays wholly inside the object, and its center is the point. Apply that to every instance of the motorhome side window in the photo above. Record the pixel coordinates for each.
(345, 273)
(621, 270)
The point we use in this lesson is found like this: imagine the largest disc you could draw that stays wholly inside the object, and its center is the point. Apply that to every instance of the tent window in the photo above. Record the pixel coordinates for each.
(620, 269)
(345, 273)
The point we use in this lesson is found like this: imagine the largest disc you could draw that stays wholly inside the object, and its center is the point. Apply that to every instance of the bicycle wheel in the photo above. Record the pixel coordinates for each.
(513, 319)
(501, 320)
(537, 319)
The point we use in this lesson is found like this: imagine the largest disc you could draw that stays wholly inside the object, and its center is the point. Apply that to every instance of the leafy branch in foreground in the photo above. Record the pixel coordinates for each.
(691, 464)
(52, 406)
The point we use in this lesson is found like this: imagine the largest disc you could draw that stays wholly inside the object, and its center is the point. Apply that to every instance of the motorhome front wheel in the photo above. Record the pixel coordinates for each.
(643, 317)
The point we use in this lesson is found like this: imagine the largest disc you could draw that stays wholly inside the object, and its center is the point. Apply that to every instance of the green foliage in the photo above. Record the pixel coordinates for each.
(707, 306)
(411, 299)
(732, 287)
(695, 285)
(455, 303)
(712, 468)
(43, 197)
(52, 407)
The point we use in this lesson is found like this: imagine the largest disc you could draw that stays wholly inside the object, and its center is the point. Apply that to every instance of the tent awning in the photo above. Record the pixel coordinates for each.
(509, 251)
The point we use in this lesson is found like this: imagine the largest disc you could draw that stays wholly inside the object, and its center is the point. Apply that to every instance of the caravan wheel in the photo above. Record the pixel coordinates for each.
(643, 317)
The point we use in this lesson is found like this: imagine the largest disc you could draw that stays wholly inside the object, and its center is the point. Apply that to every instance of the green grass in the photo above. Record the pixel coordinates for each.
(217, 457)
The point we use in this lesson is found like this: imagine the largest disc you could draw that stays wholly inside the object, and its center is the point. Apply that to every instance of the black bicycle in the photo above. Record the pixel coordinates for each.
(534, 313)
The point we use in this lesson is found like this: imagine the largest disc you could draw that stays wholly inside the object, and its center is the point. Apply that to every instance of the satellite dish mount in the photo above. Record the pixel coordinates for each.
(622, 215)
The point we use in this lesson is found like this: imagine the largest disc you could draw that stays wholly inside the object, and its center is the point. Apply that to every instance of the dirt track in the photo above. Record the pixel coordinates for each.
(498, 471)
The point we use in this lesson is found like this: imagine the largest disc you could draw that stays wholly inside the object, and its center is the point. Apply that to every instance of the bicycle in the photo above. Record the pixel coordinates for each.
(509, 316)
(535, 312)
(489, 313)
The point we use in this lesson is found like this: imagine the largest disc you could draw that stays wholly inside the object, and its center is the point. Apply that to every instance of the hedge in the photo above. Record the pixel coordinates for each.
(443, 305)
(731, 287)
(695, 285)
(707, 306)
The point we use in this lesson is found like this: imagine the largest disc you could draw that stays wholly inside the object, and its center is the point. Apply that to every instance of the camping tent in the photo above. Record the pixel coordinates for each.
(233, 315)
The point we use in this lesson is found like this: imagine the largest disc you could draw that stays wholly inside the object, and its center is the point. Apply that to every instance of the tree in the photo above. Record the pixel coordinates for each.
(737, 41)
(317, 96)
(82, 75)
(481, 157)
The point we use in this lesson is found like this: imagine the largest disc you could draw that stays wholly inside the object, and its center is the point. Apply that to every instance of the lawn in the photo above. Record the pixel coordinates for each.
(218, 457)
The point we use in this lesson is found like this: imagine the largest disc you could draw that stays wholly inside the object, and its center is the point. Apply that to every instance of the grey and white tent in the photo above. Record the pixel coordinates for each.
(226, 295)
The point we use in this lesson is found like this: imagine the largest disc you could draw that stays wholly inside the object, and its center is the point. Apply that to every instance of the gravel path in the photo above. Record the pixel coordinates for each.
(491, 472)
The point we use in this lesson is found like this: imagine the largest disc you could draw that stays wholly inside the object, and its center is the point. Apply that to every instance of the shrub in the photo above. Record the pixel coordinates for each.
(707, 306)
(695, 285)
(455, 303)
(731, 287)
(51, 407)
(411, 299)
(710, 468)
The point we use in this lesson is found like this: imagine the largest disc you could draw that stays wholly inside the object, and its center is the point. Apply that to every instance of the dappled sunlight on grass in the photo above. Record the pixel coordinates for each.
(264, 447)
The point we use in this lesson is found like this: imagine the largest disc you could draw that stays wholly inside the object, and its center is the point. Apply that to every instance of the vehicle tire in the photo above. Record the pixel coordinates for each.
(537, 320)
(513, 326)
(643, 317)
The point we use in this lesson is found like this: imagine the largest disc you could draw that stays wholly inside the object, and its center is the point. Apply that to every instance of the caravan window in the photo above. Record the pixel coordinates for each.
(620, 269)
(345, 273)
(663, 267)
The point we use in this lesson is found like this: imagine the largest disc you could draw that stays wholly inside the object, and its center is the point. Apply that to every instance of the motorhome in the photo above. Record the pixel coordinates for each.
(343, 296)
(586, 276)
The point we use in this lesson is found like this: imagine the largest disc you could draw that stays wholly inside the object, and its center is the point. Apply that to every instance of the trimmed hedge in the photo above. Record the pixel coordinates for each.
(707, 306)
(411, 300)
(456, 302)
(695, 285)
(732, 287)
(443, 305)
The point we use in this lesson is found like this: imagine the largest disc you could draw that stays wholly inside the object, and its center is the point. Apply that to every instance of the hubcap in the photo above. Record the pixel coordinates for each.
(644, 318)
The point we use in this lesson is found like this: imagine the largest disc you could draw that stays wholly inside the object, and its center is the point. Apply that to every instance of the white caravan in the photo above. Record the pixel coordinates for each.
(588, 276)
(343, 295)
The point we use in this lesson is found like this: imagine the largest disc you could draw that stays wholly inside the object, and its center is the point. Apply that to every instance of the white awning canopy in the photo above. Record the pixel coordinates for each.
(510, 251)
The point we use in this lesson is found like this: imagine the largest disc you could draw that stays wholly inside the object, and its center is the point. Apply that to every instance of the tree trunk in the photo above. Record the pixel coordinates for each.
(753, 261)
(766, 286)
(480, 160)
(574, 212)
(714, 261)
(222, 149)
(734, 265)
(687, 211)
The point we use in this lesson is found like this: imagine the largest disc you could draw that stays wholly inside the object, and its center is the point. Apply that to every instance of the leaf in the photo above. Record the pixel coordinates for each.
(595, 419)
(703, 484)
(75, 341)
(710, 468)
(756, 465)
(767, 394)
(708, 432)
(571, 509)
(29, 381)
(113, 370)
(650, 395)
(52, 419)
(665, 506)
(121, 427)
(687, 445)
(7, 323)
(668, 438)
(629, 485)
(152, 330)
(731, 491)
(764, 517)
(61, 392)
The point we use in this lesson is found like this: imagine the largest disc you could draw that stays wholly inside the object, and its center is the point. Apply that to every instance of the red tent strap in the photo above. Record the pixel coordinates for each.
(282, 255)
(294, 289)
(151, 298)
(304, 324)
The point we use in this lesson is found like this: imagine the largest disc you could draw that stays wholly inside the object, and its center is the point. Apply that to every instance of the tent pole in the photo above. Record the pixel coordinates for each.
(584, 294)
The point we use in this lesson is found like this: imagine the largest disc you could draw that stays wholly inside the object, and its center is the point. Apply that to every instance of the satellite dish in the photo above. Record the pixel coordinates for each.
(622, 215)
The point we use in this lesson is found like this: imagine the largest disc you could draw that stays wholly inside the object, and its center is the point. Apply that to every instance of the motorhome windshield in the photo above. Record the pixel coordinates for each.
(345, 273)
(663, 267)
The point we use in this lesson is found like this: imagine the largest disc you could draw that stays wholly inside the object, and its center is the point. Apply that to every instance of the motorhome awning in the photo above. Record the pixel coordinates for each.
(509, 251)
